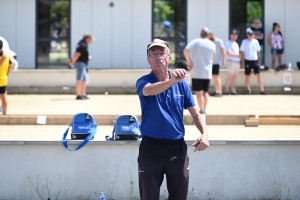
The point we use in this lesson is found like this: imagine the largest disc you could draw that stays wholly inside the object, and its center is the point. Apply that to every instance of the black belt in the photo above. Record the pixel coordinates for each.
(162, 140)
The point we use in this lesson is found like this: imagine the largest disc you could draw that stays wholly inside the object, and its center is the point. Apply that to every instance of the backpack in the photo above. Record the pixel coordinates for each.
(126, 127)
(84, 128)
(281, 67)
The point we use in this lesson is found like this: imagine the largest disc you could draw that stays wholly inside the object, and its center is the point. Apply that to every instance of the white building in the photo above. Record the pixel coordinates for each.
(123, 28)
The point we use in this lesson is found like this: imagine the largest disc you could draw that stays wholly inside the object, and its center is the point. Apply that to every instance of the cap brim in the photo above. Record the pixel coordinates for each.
(157, 44)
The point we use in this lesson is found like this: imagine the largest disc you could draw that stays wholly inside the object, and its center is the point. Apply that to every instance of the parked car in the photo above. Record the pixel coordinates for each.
(12, 54)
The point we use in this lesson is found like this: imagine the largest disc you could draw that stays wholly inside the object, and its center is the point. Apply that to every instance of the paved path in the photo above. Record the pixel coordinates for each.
(129, 104)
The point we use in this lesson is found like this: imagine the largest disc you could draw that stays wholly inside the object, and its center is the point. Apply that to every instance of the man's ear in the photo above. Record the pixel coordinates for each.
(169, 59)
(148, 59)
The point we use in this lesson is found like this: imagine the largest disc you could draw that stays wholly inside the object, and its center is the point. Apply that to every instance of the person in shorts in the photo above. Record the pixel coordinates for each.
(199, 54)
(5, 68)
(233, 63)
(250, 49)
(163, 152)
(220, 59)
(275, 40)
(80, 62)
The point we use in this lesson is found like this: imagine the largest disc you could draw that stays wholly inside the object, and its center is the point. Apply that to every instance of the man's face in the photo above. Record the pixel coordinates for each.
(233, 37)
(88, 40)
(159, 58)
(257, 24)
(250, 36)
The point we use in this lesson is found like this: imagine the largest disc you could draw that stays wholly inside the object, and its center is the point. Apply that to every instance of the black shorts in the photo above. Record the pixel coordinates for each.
(2, 90)
(200, 84)
(251, 64)
(215, 69)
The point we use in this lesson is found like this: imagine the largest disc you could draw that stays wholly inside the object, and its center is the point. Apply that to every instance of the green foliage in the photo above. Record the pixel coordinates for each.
(59, 12)
(162, 11)
(254, 11)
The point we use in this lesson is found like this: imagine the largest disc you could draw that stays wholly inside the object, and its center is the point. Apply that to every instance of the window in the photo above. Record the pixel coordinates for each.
(53, 33)
(247, 13)
(169, 24)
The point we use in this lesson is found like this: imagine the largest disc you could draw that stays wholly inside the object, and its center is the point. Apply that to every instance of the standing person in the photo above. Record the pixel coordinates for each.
(250, 59)
(233, 62)
(199, 54)
(80, 61)
(219, 59)
(258, 32)
(163, 96)
(5, 68)
(275, 40)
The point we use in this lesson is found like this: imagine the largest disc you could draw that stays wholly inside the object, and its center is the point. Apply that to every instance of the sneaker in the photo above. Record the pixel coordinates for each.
(263, 93)
(234, 93)
(80, 98)
(213, 94)
(85, 97)
(248, 92)
(218, 95)
(227, 93)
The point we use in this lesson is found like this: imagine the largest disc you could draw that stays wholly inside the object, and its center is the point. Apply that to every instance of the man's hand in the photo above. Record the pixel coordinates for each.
(190, 65)
(201, 143)
(223, 63)
(71, 64)
(178, 75)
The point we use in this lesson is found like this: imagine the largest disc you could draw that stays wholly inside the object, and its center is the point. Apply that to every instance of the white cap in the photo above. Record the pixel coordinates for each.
(249, 30)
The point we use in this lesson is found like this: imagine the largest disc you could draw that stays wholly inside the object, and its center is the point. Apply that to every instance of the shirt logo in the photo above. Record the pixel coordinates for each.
(177, 95)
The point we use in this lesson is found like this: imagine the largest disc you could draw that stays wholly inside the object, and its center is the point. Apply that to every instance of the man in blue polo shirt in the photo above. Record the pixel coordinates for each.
(163, 96)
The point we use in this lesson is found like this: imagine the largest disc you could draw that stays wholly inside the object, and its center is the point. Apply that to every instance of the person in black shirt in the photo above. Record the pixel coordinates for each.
(258, 32)
(80, 62)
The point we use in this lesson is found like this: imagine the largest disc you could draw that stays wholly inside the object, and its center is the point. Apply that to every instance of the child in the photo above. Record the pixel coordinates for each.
(5, 69)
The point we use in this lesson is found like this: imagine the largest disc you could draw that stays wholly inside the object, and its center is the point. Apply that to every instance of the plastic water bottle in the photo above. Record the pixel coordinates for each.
(290, 65)
(102, 196)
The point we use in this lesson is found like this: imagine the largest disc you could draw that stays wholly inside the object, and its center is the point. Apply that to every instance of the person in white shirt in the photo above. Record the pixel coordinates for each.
(250, 49)
(233, 62)
(199, 54)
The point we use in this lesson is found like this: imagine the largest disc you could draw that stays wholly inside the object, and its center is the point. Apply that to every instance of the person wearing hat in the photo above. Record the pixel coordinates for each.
(163, 97)
(80, 61)
(250, 49)
(233, 62)
(200, 53)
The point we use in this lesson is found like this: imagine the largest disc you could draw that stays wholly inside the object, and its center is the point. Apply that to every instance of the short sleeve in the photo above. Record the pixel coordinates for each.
(188, 96)
(227, 46)
(222, 44)
(81, 47)
(140, 84)
(242, 48)
(190, 45)
(258, 46)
